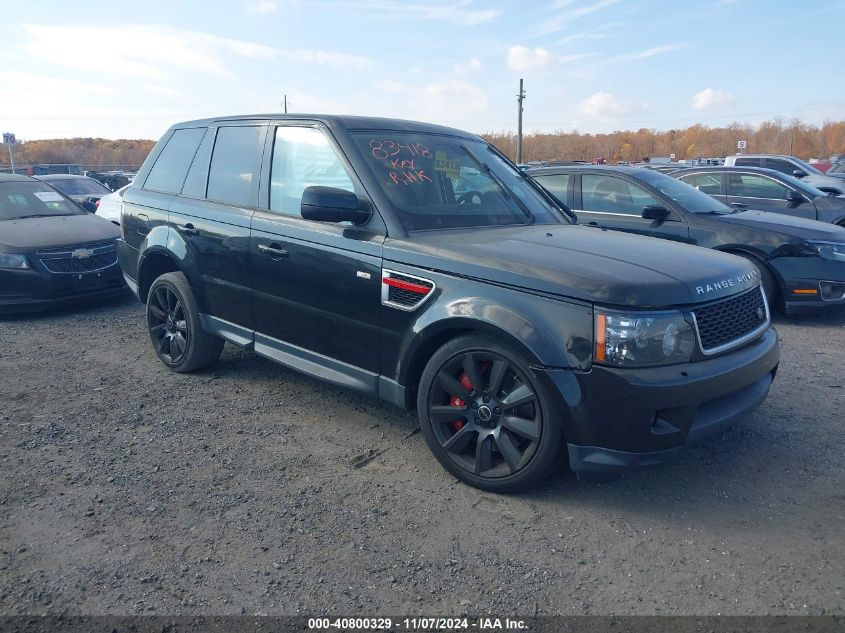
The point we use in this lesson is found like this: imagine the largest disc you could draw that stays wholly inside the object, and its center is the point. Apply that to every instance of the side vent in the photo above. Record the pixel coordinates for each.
(402, 291)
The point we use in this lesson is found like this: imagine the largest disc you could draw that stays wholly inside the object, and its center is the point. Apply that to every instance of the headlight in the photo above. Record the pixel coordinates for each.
(7, 260)
(834, 251)
(636, 340)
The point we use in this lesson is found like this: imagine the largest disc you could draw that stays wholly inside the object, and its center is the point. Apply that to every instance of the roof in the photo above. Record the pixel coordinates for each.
(611, 169)
(733, 168)
(13, 177)
(61, 176)
(345, 122)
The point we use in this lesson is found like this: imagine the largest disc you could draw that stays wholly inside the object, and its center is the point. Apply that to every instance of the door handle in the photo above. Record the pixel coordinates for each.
(187, 229)
(739, 205)
(274, 250)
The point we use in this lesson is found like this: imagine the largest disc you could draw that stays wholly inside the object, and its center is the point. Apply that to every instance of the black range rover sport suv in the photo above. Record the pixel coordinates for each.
(416, 263)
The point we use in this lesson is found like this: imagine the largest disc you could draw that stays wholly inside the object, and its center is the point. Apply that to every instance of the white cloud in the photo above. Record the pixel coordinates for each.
(154, 51)
(604, 106)
(388, 85)
(452, 98)
(456, 12)
(558, 22)
(710, 99)
(262, 7)
(473, 65)
(523, 58)
(648, 52)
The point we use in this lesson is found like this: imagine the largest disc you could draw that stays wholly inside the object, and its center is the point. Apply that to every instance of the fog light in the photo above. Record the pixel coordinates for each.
(832, 290)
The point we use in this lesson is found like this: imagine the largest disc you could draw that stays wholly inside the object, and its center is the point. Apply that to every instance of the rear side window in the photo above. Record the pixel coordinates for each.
(749, 162)
(710, 184)
(168, 172)
(783, 166)
(197, 179)
(558, 185)
(233, 165)
(302, 158)
(609, 194)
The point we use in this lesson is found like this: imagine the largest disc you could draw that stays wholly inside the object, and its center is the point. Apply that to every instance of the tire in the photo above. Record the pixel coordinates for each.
(770, 284)
(174, 326)
(472, 432)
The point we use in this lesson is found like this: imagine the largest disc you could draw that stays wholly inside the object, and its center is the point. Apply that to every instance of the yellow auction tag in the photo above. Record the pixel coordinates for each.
(450, 167)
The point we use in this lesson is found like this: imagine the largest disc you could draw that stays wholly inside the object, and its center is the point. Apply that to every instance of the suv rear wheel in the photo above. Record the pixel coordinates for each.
(486, 417)
(174, 325)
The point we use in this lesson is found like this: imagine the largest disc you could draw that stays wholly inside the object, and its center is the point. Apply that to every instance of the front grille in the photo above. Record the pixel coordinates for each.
(63, 260)
(730, 319)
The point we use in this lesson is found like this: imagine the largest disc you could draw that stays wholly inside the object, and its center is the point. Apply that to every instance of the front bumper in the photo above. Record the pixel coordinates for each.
(623, 419)
(34, 289)
(810, 282)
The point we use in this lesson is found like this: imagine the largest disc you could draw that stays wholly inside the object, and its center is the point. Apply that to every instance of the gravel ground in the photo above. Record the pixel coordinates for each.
(248, 488)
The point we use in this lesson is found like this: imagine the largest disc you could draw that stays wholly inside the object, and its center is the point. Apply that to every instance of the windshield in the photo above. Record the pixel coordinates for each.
(441, 182)
(79, 186)
(802, 186)
(808, 167)
(682, 194)
(24, 199)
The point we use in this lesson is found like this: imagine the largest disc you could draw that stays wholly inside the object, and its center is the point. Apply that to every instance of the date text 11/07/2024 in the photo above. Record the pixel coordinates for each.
(417, 624)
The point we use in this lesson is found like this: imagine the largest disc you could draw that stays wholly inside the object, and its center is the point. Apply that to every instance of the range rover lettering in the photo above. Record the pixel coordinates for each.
(416, 263)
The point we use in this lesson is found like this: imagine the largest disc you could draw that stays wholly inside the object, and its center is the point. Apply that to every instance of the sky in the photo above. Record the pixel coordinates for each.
(130, 70)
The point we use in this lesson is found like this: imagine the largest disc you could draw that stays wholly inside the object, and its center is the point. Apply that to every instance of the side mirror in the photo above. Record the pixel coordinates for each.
(89, 206)
(798, 173)
(654, 212)
(328, 204)
(794, 196)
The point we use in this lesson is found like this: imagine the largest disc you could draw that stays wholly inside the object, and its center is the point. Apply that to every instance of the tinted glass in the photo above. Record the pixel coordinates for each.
(688, 198)
(440, 182)
(22, 199)
(303, 157)
(749, 162)
(837, 168)
(756, 186)
(709, 183)
(558, 184)
(168, 172)
(197, 179)
(610, 194)
(79, 186)
(783, 166)
(233, 165)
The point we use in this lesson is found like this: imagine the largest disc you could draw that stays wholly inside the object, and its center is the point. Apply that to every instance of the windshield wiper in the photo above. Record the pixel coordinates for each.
(34, 215)
(505, 189)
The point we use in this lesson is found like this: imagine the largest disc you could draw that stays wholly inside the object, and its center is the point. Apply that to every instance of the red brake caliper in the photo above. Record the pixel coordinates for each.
(455, 401)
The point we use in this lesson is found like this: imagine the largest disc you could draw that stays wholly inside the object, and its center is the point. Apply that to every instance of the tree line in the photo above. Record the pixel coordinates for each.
(80, 151)
(771, 137)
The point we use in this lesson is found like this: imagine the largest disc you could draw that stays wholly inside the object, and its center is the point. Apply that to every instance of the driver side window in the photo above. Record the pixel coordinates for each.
(611, 194)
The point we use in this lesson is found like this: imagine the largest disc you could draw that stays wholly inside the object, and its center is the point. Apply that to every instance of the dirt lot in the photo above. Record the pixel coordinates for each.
(248, 488)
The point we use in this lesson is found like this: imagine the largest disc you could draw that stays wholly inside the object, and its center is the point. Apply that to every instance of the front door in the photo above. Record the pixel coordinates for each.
(763, 193)
(615, 202)
(316, 285)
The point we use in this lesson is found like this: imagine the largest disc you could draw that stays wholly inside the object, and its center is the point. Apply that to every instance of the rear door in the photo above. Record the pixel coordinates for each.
(316, 285)
(210, 220)
(617, 203)
(761, 192)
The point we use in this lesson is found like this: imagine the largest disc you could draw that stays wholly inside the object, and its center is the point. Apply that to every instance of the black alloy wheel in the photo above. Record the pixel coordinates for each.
(486, 418)
(176, 331)
(168, 325)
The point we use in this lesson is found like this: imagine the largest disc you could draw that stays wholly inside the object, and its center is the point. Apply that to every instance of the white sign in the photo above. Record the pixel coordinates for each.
(48, 196)
(672, 156)
(741, 145)
(8, 138)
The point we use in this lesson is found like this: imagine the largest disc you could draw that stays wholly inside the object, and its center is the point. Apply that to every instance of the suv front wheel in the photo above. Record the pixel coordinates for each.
(174, 325)
(486, 417)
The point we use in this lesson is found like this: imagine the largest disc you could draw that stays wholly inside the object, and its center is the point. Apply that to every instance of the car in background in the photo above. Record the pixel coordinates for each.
(110, 207)
(51, 250)
(837, 168)
(791, 166)
(83, 190)
(801, 262)
(765, 190)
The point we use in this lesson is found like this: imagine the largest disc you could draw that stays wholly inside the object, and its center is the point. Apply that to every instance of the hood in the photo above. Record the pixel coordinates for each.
(591, 264)
(788, 226)
(30, 234)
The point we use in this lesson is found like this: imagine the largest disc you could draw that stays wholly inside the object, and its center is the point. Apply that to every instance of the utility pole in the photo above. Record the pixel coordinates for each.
(520, 97)
(286, 103)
